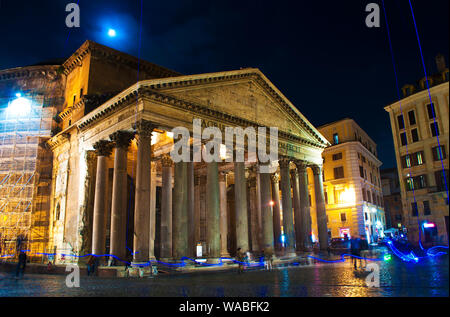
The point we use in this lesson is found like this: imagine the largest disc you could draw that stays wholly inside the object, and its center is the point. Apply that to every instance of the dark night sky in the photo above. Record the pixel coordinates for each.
(319, 54)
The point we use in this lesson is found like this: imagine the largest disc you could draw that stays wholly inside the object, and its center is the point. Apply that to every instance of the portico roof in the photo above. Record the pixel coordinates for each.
(161, 90)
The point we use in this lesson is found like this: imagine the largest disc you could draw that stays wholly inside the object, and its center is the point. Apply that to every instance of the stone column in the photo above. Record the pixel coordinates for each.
(121, 141)
(141, 241)
(197, 203)
(320, 207)
(223, 215)
(288, 217)
(240, 192)
(305, 214)
(213, 212)
(275, 178)
(152, 227)
(191, 209)
(103, 149)
(254, 215)
(297, 211)
(266, 212)
(180, 212)
(166, 208)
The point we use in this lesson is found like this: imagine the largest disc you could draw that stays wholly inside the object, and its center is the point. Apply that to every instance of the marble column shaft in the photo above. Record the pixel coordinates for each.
(304, 206)
(254, 215)
(240, 190)
(191, 209)
(166, 208)
(119, 204)
(141, 241)
(103, 149)
(223, 215)
(288, 216)
(213, 212)
(180, 212)
(320, 208)
(276, 211)
(297, 211)
(266, 212)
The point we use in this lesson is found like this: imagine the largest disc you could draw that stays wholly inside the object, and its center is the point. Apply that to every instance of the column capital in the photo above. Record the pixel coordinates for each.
(122, 138)
(284, 162)
(317, 169)
(103, 147)
(301, 165)
(91, 156)
(275, 178)
(144, 127)
(166, 160)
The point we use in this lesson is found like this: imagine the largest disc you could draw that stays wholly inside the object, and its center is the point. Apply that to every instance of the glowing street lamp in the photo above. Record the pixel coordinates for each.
(20, 106)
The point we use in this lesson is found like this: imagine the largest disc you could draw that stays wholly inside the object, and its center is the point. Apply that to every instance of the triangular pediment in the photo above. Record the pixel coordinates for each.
(247, 95)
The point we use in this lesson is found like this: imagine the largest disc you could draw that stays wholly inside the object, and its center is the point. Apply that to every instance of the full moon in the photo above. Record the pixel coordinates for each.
(111, 32)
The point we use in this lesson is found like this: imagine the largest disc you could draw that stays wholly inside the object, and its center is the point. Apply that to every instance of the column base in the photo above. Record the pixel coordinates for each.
(225, 255)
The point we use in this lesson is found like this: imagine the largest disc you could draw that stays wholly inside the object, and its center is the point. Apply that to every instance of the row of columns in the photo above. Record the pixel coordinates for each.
(177, 208)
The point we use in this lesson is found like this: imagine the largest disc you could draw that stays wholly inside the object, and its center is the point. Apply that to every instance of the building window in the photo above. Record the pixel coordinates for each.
(415, 135)
(337, 156)
(339, 172)
(74, 97)
(441, 178)
(365, 216)
(336, 138)
(431, 111)
(403, 138)
(364, 194)
(401, 123)
(419, 157)
(343, 217)
(361, 172)
(417, 182)
(81, 93)
(434, 129)
(369, 196)
(326, 197)
(412, 117)
(426, 208)
(309, 199)
(439, 153)
(415, 211)
(406, 161)
(409, 183)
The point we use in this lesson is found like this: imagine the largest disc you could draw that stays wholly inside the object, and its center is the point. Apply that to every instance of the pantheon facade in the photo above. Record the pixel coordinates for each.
(117, 191)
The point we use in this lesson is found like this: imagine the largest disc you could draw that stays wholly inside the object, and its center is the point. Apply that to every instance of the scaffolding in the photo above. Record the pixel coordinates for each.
(25, 173)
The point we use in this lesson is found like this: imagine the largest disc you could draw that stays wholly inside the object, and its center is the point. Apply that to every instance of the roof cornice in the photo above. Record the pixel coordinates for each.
(151, 87)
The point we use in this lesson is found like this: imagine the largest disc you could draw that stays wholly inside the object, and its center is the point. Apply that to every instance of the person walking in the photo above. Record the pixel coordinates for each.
(240, 259)
(269, 259)
(20, 270)
(90, 264)
(364, 246)
(355, 251)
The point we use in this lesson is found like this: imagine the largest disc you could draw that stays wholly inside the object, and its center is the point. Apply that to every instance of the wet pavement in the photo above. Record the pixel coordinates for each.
(429, 277)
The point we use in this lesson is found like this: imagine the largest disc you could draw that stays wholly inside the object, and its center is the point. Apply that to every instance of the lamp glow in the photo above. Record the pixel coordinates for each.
(19, 107)
(428, 225)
